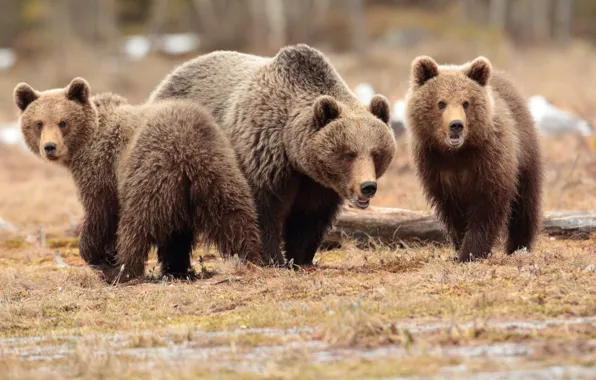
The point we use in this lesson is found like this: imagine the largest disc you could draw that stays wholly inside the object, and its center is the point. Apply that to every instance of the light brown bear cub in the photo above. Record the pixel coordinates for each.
(149, 175)
(302, 138)
(475, 148)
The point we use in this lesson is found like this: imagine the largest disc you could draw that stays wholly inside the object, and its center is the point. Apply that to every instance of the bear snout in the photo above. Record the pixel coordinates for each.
(49, 149)
(455, 134)
(456, 127)
(368, 188)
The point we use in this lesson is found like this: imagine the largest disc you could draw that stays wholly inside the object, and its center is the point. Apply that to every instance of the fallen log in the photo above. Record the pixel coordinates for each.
(394, 226)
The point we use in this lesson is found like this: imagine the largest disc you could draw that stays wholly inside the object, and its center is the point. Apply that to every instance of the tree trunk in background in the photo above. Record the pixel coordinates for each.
(206, 14)
(156, 20)
(258, 20)
(276, 22)
(541, 20)
(107, 25)
(62, 39)
(358, 25)
(498, 13)
(523, 20)
(9, 22)
(562, 29)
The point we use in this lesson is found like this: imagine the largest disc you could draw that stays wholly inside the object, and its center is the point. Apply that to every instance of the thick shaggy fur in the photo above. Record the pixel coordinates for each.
(302, 138)
(488, 172)
(156, 174)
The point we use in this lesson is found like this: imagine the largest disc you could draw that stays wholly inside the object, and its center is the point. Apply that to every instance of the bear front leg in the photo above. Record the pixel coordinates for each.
(453, 217)
(270, 214)
(304, 231)
(486, 219)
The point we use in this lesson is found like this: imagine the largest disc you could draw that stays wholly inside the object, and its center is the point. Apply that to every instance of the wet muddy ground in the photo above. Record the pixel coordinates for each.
(183, 346)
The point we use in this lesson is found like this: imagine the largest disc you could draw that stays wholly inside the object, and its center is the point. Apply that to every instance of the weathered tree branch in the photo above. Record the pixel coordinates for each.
(394, 226)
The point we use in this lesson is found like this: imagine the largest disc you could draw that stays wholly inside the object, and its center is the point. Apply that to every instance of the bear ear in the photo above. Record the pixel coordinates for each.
(78, 90)
(379, 106)
(423, 69)
(326, 109)
(480, 71)
(24, 95)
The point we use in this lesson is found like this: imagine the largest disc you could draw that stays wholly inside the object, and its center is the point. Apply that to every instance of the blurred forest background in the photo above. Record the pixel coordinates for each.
(127, 46)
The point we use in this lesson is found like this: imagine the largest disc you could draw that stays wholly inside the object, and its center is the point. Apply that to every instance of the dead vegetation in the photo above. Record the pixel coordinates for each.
(376, 313)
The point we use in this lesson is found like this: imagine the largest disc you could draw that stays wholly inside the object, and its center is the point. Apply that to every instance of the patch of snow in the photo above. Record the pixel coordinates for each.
(551, 120)
(364, 92)
(7, 226)
(136, 47)
(7, 58)
(139, 46)
(10, 134)
(179, 43)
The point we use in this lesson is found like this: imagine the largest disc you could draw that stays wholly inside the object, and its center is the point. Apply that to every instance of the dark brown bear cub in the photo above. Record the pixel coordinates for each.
(476, 152)
(148, 175)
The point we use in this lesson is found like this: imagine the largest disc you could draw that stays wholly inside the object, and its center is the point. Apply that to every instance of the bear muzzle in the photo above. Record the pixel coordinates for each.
(362, 185)
(362, 199)
(50, 151)
(455, 136)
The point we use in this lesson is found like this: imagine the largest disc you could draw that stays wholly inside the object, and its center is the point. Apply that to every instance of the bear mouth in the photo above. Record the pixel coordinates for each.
(360, 202)
(454, 142)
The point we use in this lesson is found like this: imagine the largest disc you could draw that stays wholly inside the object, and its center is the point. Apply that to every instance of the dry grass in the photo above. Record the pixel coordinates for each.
(373, 314)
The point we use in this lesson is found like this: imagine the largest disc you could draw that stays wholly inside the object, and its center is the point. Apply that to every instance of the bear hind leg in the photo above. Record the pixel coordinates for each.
(524, 220)
(175, 253)
(226, 215)
(133, 249)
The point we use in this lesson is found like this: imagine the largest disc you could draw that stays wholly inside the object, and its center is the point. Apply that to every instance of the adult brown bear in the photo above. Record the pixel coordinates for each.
(302, 138)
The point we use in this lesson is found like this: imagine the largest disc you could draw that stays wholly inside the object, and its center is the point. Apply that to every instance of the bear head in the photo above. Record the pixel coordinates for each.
(347, 148)
(450, 107)
(55, 123)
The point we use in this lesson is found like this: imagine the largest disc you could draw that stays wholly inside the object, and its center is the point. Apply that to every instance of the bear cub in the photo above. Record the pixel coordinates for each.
(476, 152)
(147, 175)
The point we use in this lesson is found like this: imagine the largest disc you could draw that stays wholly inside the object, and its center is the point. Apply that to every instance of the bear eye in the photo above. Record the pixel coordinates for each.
(466, 105)
(349, 155)
(442, 105)
(39, 125)
(62, 124)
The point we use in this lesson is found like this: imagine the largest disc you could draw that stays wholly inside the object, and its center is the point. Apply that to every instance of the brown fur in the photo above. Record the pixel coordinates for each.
(302, 138)
(147, 175)
(485, 176)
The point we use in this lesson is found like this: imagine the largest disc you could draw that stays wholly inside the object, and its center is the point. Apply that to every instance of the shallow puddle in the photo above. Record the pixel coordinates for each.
(252, 350)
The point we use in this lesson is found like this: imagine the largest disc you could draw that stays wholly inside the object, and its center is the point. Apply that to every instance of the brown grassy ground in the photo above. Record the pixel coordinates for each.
(372, 314)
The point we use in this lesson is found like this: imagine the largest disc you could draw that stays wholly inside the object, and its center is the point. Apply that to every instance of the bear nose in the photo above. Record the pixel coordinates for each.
(456, 126)
(368, 188)
(49, 148)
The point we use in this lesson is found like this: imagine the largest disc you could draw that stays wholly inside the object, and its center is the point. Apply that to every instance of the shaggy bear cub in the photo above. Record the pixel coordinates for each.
(149, 175)
(476, 152)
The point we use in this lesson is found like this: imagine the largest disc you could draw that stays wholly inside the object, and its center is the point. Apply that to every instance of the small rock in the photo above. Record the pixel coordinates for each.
(7, 226)
(590, 268)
